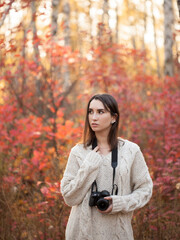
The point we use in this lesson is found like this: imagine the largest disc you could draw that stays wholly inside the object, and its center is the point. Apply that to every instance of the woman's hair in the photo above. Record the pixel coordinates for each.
(110, 105)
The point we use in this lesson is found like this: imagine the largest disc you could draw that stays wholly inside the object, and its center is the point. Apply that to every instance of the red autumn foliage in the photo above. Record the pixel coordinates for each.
(37, 132)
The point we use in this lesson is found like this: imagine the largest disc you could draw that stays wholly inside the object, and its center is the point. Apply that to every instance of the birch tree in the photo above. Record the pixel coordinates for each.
(178, 3)
(66, 10)
(117, 23)
(155, 40)
(168, 38)
(105, 20)
(105, 15)
(36, 57)
(55, 69)
(54, 17)
(131, 22)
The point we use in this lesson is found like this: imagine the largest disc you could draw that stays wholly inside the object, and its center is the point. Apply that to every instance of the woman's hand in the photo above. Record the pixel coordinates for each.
(109, 209)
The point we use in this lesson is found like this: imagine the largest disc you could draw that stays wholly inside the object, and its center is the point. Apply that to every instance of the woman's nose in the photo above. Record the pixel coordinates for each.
(94, 116)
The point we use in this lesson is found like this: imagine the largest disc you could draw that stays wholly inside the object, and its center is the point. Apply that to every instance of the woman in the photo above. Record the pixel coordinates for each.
(90, 165)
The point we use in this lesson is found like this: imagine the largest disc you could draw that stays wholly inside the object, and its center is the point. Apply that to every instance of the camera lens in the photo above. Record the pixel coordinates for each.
(102, 204)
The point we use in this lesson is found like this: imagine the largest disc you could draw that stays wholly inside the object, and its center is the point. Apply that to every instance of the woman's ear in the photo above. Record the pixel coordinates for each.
(114, 118)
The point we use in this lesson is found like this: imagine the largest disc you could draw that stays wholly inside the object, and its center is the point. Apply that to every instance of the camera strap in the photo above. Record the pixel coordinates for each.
(114, 162)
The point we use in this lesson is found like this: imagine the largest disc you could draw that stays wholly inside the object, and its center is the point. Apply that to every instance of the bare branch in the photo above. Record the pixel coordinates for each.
(6, 13)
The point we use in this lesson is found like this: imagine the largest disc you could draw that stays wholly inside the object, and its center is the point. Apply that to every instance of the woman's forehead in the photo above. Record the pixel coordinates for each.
(96, 104)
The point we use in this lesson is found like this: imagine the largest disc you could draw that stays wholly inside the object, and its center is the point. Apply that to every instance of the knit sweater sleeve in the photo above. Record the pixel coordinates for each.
(79, 176)
(141, 187)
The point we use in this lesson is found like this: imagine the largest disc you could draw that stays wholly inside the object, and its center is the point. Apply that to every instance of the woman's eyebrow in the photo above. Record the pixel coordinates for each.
(99, 109)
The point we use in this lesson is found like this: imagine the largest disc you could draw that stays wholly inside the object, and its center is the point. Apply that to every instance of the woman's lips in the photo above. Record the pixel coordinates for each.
(94, 124)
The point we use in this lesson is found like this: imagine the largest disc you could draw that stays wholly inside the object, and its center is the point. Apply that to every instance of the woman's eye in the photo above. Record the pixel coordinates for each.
(90, 111)
(98, 111)
(101, 111)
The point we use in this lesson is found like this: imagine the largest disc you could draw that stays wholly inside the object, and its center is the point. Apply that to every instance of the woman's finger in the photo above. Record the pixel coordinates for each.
(108, 210)
(108, 198)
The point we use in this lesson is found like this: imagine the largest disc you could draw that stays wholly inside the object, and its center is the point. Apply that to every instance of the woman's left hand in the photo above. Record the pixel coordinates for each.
(109, 209)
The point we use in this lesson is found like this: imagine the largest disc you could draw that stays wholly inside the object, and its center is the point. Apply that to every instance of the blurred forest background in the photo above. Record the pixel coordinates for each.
(54, 55)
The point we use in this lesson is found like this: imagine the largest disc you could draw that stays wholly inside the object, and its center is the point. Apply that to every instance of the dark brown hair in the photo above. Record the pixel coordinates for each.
(110, 105)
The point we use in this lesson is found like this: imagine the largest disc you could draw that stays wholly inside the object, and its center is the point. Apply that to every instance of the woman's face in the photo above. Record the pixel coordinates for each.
(100, 119)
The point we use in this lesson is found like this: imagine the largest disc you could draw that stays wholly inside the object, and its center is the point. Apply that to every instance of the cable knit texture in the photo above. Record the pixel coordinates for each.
(134, 191)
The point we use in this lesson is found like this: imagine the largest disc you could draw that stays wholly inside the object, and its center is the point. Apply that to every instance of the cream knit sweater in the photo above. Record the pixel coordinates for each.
(134, 184)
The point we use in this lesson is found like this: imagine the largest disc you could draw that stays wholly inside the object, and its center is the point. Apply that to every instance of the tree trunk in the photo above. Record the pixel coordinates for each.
(105, 15)
(117, 23)
(178, 4)
(145, 21)
(66, 10)
(155, 42)
(36, 59)
(91, 25)
(54, 17)
(34, 30)
(104, 25)
(131, 21)
(168, 38)
(144, 32)
(55, 69)
(24, 57)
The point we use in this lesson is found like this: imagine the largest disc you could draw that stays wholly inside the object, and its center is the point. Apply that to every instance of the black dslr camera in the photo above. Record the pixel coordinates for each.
(97, 198)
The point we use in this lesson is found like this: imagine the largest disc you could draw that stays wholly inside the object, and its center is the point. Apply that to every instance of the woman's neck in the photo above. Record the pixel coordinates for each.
(102, 141)
(104, 147)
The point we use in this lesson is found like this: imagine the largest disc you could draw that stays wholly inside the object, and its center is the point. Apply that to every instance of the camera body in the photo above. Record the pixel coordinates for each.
(97, 199)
